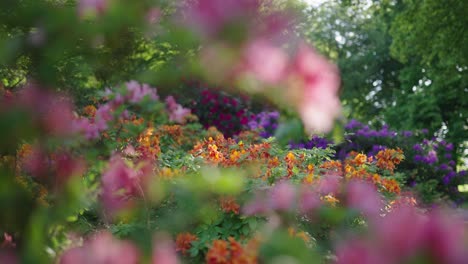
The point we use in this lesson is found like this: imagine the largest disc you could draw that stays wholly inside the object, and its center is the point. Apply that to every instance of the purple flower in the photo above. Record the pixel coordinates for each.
(449, 147)
(424, 131)
(443, 167)
(431, 157)
(352, 124)
(418, 158)
(407, 133)
(448, 156)
(446, 179)
(417, 147)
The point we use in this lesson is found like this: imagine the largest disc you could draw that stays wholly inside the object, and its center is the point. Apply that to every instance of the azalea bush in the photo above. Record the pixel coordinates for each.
(130, 174)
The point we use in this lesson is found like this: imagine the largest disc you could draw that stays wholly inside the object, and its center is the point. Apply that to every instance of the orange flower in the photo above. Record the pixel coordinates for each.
(386, 159)
(90, 110)
(184, 242)
(360, 159)
(333, 165)
(330, 199)
(232, 253)
(391, 185)
(218, 253)
(309, 179)
(228, 204)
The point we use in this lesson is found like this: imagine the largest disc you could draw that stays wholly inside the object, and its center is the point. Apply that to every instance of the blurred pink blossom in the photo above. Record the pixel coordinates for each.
(329, 184)
(8, 257)
(8, 241)
(164, 252)
(358, 252)
(282, 196)
(265, 61)
(102, 249)
(318, 103)
(92, 7)
(137, 91)
(364, 197)
(153, 15)
(209, 17)
(67, 166)
(119, 184)
(400, 232)
(177, 113)
(309, 199)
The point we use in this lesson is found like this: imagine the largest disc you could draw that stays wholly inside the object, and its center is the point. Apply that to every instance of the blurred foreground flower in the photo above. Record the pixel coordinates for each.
(102, 249)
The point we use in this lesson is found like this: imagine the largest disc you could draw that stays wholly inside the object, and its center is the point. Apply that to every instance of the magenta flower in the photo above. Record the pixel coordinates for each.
(102, 249)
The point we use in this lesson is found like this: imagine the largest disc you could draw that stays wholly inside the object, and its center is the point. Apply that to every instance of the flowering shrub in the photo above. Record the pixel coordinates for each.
(135, 178)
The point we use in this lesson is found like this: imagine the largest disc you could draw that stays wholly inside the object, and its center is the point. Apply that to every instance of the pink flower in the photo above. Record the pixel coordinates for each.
(8, 241)
(57, 117)
(210, 16)
(400, 233)
(445, 236)
(102, 249)
(318, 102)
(119, 184)
(329, 184)
(8, 257)
(67, 166)
(309, 200)
(282, 196)
(164, 252)
(36, 163)
(257, 205)
(266, 62)
(136, 92)
(358, 252)
(92, 7)
(153, 15)
(364, 197)
(177, 113)
(83, 125)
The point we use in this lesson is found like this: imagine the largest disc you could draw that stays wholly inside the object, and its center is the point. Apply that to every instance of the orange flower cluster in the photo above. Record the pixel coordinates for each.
(391, 185)
(168, 173)
(302, 235)
(388, 158)
(229, 204)
(332, 165)
(89, 110)
(290, 161)
(227, 152)
(354, 168)
(232, 252)
(184, 242)
(148, 144)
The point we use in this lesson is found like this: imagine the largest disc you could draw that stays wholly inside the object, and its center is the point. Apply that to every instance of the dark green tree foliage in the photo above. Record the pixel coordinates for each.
(431, 38)
(47, 41)
(357, 37)
(402, 63)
